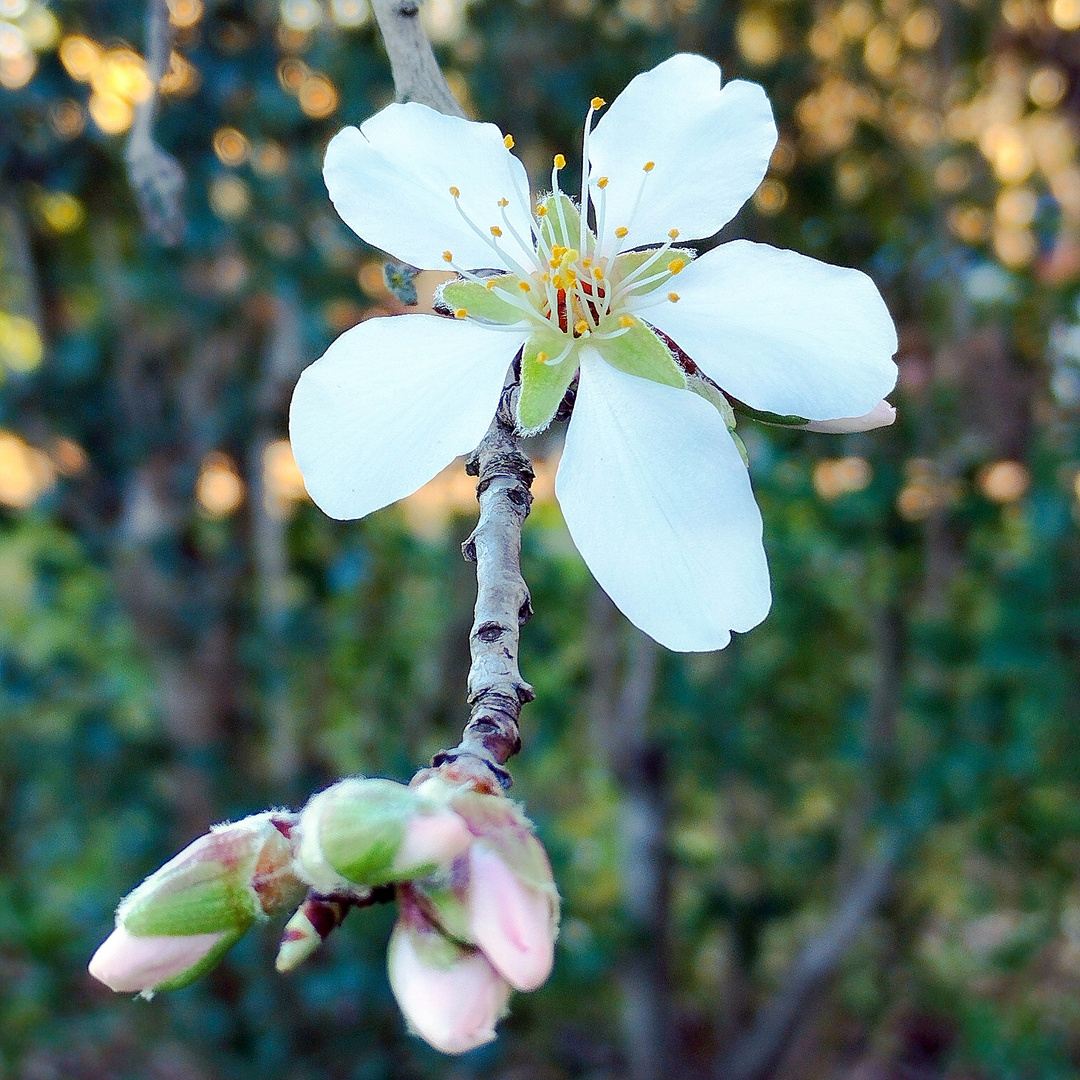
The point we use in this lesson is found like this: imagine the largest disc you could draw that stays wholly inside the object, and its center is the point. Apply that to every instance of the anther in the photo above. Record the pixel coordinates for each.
(508, 142)
(581, 326)
(455, 192)
(621, 231)
(524, 286)
(448, 256)
(541, 357)
(676, 265)
(649, 166)
(461, 313)
(586, 263)
(674, 234)
(489, 284)
(602, 182)
(541, 211)
(673, 297)
(504, 202)
(560, 161)
(598, 103)
(625, 321)
(598, 274)
(496, 231)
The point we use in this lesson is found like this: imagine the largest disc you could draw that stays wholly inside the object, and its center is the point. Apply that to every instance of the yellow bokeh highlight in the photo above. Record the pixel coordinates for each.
(26, 473)
(219, 489)
(302, 15)
(758, 38)
(185, 13)
(112, 114)
(40, 27)
(833, 477)
(1004, 481)
(771, 197)
(17, 71)
(81, 57)
(1065, 14)
(922, 28)
(123, 73)
(350, 13)
(181, 77)
(283, 483)
(1047, 87)
(318, 97)
(13, 42)
(882, 51)
(67, 118)
(21, 347)
(231, 146)
(229, 197)
(61, 211)
(1016, 207)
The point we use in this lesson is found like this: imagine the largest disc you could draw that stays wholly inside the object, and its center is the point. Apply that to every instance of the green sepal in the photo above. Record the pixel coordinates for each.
(543, 385)
(445, 903)
(639, 352)
(207, 963)
(215, 904)
(483, 303)
(551, 228)
(629, 261)
(763, 417)
(704, 388)
(360, 833)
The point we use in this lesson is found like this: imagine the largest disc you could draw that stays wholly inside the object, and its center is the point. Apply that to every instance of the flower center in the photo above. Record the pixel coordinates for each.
(579, 281)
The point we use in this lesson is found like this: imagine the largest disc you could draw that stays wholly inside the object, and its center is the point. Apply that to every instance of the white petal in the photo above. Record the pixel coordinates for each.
(711, 147)
(393, 401)
(659, 504)
(783, 332)
(390, 182)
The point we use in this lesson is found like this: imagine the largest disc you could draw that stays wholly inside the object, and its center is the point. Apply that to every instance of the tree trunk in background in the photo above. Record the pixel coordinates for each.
(620, 712)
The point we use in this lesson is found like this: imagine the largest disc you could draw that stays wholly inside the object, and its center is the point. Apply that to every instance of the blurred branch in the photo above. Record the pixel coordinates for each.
(754, 1057)
(156, 177)
(417, 76)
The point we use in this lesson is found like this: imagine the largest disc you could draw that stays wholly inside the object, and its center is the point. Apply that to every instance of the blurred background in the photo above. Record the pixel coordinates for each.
(846, 846)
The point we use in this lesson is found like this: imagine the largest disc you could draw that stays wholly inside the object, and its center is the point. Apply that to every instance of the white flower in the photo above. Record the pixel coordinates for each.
(651, 482)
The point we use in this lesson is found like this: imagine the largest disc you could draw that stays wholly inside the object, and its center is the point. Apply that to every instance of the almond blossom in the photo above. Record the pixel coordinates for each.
(652, 482)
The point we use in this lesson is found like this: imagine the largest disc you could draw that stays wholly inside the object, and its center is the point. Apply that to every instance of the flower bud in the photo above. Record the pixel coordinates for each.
(881, 415)
(450, 995)
(512, 902)
(366, 832)
(183, 918)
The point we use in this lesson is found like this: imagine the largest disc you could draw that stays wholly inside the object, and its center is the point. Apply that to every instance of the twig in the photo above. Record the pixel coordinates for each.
(412, 60)
(156, 177)
(755, 1055)
(496, 689)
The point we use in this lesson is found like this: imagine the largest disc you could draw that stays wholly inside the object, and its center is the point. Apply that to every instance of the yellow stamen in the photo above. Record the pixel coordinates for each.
(580, 326)
(448, 256)
(454, 191)
(558, 282)
(676, 265)
(649, 166)
(598, 274)
(489, 284)
(602, 182)
(625, 321)
(673, 297)
(560, 161)
(598, 103)
(586, 263)
(460, 313)
(541, 357)
(504, 202)
(557, 252)
(674, 234)
(541, 211)
(545, 277)
(621, 231)
(496, 231)
(524, 286)
(508, 142)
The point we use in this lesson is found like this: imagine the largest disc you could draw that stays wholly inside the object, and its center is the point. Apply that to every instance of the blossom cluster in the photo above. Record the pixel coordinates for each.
(478, 908)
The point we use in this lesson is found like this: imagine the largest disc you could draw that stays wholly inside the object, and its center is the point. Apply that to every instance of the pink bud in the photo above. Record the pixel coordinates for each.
(450, 996)
(881, 415)
(514, 923)
(129, 964)
(433, 839)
